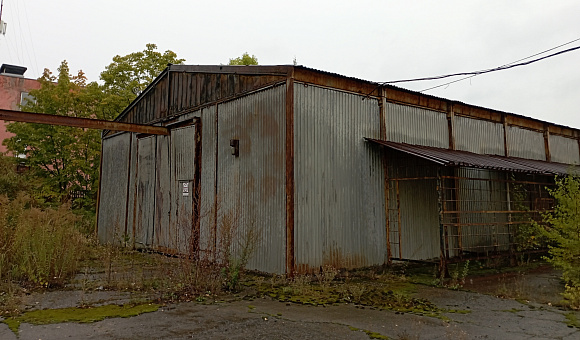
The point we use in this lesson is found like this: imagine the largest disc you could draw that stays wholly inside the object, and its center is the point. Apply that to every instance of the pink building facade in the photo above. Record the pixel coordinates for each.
(13, 89)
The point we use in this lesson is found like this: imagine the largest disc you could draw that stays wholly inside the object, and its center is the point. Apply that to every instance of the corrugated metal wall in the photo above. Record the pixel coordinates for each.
(132, 204)
(419, 219)
(153, 105)
(478, 136)
(207, 188)
(251, 194)
(162, 233)
(414, 204)
(339, 197)
(525, 143)
(413, 125)
(190, 90)
(564, 150)
(187, 90)
(113, 195)
(481, 193)
(145, 205)
(183, 171)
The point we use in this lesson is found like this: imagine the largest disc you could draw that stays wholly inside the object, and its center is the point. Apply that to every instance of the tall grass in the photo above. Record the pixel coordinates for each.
(38, 246)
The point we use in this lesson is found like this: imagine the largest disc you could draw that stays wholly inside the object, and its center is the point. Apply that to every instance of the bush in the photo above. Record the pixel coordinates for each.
(11, 182)
(563, 231)
(42, 247)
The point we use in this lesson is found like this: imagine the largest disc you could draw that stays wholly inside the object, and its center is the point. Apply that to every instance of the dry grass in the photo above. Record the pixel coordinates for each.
(40, 247)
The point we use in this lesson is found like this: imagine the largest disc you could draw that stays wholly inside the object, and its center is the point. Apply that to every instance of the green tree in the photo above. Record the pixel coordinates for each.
(245, 59)
(129, 75)
(65, 158)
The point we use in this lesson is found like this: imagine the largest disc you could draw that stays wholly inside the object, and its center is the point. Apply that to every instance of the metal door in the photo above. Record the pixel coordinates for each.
(185, 170)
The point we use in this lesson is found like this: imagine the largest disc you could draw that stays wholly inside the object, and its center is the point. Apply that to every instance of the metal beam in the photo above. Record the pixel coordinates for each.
(42, 118)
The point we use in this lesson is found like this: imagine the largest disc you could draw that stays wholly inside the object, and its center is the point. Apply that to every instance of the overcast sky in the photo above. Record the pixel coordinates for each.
(372, 40)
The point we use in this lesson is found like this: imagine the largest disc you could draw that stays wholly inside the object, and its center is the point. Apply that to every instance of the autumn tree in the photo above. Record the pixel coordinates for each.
(245, 59)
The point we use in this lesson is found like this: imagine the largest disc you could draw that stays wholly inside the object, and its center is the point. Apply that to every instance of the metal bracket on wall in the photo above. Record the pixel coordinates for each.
(235, 144)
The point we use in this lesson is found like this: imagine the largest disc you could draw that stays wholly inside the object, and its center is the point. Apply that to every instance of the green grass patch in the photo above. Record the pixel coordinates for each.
(80, 315)
(572, 320)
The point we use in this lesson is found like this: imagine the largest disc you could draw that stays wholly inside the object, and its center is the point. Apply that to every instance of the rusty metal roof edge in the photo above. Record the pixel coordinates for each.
(519, 164)
(530, 163)
(289, 69)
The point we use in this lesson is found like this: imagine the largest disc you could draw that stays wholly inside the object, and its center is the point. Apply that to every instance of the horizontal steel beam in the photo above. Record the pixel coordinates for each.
(42, 118)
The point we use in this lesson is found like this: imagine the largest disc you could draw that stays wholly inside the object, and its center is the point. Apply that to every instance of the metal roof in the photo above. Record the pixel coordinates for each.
(448, 157)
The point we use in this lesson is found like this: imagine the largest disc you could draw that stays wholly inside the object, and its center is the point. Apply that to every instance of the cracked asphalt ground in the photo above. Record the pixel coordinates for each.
(489, 318)
(483, 316)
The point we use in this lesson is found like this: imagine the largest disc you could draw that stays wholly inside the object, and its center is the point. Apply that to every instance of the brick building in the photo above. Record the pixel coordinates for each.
(14, 90)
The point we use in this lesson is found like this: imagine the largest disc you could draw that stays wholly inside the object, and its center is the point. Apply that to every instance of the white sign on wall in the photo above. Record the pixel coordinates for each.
(185, 188)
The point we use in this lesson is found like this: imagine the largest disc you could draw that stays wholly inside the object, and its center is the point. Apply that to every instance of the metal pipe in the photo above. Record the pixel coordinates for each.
(43, 118)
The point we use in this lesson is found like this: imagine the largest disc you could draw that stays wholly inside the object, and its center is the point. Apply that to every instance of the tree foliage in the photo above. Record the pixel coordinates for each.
(67, 159)
(129, 75)
(11, 182)
(563, 231)
(245, 59)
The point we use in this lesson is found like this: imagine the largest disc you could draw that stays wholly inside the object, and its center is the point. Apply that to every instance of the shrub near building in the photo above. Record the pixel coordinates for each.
(563, 231)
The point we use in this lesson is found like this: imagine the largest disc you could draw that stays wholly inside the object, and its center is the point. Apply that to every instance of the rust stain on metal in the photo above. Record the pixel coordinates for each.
(506, 149)
(334, 258)
(451, 126)
(128, 184)
(290, 260)
(547, 142)
(335, 81)
(468, 159)
(42, 118)
(196, 201)
(384, 161)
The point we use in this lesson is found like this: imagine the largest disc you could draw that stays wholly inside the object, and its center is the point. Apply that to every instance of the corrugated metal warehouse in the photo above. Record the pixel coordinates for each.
(324, 169)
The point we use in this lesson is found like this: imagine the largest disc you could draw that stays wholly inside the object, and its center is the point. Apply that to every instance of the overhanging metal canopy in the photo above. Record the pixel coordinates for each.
(447, 157)
(42, 118)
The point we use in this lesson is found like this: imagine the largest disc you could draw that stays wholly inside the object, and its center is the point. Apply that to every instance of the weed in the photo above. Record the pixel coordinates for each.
(300, 284)
(356, 291)
(457, 280)
(42, 247)
(371, 335)
(572, 320)
(237, 243)
(572, 296)
(513, 287)
(326, 276)
(406, 336)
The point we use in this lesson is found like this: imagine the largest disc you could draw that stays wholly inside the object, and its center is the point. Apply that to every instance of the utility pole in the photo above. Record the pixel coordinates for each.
(2, 23)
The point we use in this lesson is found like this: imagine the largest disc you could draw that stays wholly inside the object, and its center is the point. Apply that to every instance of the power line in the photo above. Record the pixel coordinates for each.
(500, 68)
(471, 76)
